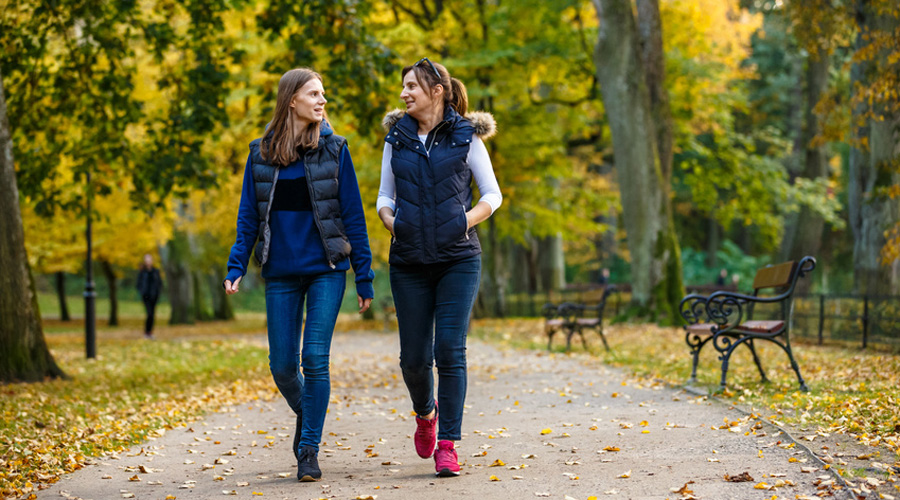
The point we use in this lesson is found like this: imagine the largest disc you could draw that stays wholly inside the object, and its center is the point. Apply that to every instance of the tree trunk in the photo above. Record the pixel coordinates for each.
(61, 295)
(650, 31)
(552, 263)
(178, 277)
(871, 214)
(24, 355)
(110, 275)
(201, 313)
(221, 304)
(647, 214)
(807, 237)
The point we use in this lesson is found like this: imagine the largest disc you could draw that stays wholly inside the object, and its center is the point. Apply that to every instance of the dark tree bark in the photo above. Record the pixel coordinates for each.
(110, 274)
(61, 295)
(24, 355)
(179, 280)
(201, 313)
(650, 31)
(808, 230)
(871, 214)
(647, 213)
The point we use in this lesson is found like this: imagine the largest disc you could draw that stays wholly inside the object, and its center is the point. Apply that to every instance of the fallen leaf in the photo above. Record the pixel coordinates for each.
(684, 490)
(611, 448)
(546, 431)
(743, 477)
(494, 478)
(624, 475)
(497, 463)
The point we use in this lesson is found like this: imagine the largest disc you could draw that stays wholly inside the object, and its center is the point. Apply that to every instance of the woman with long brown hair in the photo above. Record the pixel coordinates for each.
(301, 209)
(433, 151)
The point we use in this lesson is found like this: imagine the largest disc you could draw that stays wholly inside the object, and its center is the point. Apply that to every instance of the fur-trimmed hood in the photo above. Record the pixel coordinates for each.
(484, 123)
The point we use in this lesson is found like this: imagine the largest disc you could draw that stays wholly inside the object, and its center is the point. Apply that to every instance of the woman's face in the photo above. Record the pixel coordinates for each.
(418, 99)
(308, 104)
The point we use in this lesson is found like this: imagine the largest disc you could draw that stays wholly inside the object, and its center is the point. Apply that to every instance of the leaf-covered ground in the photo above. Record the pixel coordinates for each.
(139, 388)
(852, 392)
(134, 388)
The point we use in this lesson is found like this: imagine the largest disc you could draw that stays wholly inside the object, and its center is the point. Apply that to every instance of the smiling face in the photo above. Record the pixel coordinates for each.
(419, 100)
(308, 103)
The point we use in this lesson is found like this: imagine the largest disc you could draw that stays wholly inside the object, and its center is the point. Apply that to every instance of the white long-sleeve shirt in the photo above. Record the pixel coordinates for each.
(478, 160)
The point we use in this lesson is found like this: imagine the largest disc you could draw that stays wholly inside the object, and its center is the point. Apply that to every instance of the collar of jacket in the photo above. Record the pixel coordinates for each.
(403, 128)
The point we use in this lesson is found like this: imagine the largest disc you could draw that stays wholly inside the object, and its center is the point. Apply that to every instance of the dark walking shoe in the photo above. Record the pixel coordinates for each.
(446, 462)
(297, 436)
(308, 465)
(425, 436)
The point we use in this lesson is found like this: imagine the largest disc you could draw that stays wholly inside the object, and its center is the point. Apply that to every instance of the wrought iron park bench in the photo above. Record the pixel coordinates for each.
(576, 318)
(725, 318)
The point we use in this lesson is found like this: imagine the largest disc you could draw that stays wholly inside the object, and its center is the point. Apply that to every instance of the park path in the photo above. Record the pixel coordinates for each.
(562, 426)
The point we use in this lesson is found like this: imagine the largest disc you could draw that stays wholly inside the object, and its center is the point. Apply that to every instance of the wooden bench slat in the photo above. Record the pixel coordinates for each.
(775, 276)
(762, 326)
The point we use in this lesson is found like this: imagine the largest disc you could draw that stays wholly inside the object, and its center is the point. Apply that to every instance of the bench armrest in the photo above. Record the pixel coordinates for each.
(693, 308)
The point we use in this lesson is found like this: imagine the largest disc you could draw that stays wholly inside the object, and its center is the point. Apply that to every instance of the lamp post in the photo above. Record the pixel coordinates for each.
(90, 320)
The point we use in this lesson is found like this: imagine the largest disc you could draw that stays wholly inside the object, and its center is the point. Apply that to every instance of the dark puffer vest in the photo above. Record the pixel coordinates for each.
(433, 190)
(322, 166)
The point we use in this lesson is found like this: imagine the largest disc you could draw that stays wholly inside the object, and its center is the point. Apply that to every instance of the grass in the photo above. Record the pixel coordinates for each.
(852, 392)
(134, 390)
(137, 389)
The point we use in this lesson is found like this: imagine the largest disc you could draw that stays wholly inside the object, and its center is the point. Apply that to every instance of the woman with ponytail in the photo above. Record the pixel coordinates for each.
(433, 151)
(301, 210)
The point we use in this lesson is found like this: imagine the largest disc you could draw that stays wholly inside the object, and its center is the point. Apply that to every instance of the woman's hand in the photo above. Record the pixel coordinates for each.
(232, 288)
(363, 304)
(479, 213)
(387, 218)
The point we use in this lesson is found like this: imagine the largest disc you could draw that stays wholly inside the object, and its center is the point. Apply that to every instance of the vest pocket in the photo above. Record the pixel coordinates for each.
(400, 227)
(453, 231)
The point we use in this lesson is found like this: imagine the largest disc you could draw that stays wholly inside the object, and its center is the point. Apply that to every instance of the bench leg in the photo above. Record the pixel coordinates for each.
(762, 373)
(794, 365)
(602, 337)
(725, 357)
(695, 355)
(584, 340)
(550, 332)
(569, 335)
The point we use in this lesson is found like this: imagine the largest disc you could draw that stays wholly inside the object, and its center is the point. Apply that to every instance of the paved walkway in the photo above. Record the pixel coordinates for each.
(536, 426)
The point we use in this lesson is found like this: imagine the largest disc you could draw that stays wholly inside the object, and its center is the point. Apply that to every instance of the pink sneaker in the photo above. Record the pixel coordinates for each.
(446, 463)
(425, 436)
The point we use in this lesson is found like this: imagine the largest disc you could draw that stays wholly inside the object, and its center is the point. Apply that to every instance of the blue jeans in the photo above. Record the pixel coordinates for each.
(433, 304)
(310, 391)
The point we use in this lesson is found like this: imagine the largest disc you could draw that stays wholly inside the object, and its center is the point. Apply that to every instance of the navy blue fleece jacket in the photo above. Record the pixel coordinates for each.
(296, 247)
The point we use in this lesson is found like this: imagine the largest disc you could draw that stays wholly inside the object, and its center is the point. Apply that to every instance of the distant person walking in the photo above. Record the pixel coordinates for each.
(149, 286)
(432, 153)
(301, 209)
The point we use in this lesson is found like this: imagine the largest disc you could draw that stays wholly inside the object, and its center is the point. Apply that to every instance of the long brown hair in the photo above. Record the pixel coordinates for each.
(279, 146)
(454, 91)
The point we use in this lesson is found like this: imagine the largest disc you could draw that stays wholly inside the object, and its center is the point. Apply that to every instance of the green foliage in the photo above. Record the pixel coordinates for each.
(730, 258)
(68, 71)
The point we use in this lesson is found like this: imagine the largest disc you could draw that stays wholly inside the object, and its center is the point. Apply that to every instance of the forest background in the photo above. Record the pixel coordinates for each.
(773, 132)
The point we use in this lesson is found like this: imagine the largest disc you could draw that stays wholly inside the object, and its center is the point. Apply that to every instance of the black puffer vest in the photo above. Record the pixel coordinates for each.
(322, 166)
(433, 192)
